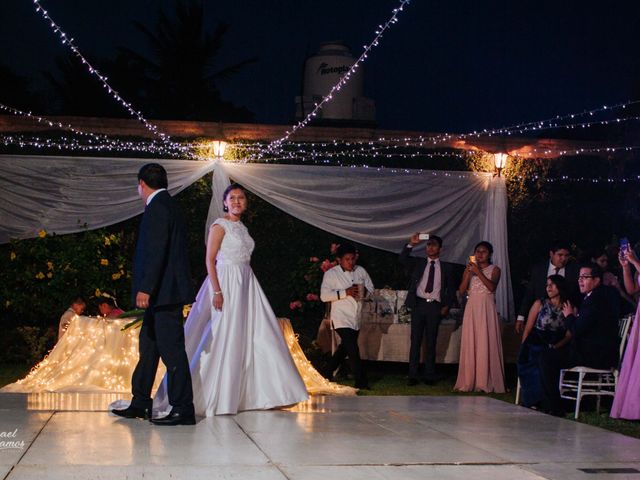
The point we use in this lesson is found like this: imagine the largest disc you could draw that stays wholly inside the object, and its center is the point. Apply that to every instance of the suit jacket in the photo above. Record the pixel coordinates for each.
(161, 264)
(536, 288)
(418, 265)
(595, 330)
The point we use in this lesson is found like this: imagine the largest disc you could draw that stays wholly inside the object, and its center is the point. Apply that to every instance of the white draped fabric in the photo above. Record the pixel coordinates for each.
(383, 207)
(376, 207)
(72, 194)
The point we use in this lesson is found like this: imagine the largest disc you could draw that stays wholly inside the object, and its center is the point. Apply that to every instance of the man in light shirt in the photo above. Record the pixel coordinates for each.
(558, 264)
(343, 286)
(77, 307)
(431, 293)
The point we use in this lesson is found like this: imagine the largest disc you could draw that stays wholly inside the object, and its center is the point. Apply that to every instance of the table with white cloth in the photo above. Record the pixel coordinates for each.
(385, 332)
(94, 355)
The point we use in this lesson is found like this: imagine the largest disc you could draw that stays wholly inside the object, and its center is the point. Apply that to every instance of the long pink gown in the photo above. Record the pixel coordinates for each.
(481, 366)
(626, 403)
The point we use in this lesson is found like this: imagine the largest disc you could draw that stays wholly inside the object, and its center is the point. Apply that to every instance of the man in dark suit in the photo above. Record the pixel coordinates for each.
(161, 286)
(431, 293)
(558, 264)
(594, 341)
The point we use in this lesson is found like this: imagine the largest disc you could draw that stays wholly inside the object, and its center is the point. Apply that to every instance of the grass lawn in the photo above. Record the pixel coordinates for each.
(391, 379)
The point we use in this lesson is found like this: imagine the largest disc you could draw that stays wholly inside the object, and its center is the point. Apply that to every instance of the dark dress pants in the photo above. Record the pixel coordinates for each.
(551, 361)
(162, 337)
(425, 321)
(348, 348)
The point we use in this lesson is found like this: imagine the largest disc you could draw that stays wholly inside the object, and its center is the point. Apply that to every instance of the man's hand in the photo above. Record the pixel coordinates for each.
(519, 326)
(142, 300)
(444, 311)
(352, 291)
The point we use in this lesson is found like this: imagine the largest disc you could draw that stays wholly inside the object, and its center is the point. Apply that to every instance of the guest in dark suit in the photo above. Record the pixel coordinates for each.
(558, 264)
(431, 293)
(594, 336)
(161, 286)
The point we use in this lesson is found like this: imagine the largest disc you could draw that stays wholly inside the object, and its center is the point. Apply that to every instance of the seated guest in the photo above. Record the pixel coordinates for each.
(594, 336)
(343, 286)
(545, 329)
(559, 263)
(77, 307)
(108, 308)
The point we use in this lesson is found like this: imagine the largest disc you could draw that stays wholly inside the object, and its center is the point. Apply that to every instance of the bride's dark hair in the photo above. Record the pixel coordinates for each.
(233, 186)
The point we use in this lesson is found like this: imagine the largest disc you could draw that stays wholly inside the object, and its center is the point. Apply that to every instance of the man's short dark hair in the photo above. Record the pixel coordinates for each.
(345, 248)
(79, 299)
(560, 246)
(154, 175)
(596, 271)
(435, 238)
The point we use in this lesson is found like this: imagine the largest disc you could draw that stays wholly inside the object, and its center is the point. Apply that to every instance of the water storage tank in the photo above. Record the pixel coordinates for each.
(321, 72)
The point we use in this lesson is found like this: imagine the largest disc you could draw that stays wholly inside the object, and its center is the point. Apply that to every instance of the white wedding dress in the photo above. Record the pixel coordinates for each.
(238, 356)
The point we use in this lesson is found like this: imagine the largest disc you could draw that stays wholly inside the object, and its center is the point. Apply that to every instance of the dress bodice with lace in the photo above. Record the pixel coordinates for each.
(476, 286)
(237, 245)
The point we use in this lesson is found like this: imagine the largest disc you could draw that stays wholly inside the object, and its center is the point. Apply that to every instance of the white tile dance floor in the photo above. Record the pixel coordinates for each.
(328, 438)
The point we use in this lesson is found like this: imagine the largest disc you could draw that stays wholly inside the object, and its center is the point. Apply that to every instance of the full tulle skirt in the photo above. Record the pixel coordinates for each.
(238, 356)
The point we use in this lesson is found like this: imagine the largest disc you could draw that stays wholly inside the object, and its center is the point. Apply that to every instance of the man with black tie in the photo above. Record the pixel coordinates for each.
(161, 286)
(558, 264)
(594, 336)
(431, 293)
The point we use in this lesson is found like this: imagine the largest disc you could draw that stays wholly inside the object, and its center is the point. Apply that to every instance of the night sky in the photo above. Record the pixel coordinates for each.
(449, 65)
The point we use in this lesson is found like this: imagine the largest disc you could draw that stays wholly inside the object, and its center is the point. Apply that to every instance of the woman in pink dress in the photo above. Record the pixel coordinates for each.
(626, 403)
(481, 367)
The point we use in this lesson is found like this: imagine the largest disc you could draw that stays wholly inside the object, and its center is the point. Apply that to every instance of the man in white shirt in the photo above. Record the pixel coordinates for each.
(431, 293)
(78, 306)
(342, 286)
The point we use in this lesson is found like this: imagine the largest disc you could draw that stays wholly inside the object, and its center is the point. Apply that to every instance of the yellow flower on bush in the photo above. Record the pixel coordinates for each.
(97, 293)
(12, 256)
(7, 304)
(104, 262)
(42, 233)
(112, 237)
(49, 275)
(50, 265)
(40, 275)
(115, 276)
(107, 241)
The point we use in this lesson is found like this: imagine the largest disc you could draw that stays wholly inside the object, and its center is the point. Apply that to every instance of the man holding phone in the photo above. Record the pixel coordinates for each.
(431, 293)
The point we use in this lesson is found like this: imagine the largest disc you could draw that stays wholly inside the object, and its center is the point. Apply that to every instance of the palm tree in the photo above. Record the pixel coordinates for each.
(181, 72)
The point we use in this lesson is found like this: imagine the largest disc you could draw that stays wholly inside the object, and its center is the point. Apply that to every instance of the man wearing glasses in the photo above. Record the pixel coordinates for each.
(594, 331)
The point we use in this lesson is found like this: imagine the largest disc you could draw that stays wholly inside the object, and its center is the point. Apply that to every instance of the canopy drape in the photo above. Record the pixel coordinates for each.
(383, 207)
(376, 207)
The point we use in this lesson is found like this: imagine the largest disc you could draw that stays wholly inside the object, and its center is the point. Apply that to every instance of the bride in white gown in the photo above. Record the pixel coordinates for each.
(238, 356)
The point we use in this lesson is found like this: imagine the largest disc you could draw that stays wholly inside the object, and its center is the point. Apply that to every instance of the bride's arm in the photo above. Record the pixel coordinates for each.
(216, 234)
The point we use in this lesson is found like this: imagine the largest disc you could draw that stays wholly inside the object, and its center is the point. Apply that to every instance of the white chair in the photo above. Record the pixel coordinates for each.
(578, 382)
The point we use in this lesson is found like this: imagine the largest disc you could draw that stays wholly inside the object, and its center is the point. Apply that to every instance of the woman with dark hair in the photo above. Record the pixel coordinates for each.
(481, 366)
(238, 356)
(545, 329)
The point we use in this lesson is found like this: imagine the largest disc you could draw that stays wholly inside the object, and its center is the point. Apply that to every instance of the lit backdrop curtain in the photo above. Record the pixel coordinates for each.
(72, 194)
(376, 207)
(383, 207)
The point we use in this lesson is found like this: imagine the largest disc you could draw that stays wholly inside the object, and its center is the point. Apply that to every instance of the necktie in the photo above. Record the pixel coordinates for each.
(432, 274)
(557, 272)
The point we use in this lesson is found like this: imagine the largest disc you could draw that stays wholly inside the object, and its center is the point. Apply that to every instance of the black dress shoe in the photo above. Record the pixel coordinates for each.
(175, 418)
(133, 412)
(412, 382)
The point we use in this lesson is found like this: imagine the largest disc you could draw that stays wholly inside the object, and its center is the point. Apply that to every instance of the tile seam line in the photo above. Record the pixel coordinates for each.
(261, 450)
(29, 447)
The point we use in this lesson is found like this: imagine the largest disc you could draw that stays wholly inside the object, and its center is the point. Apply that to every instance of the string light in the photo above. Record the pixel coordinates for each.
(68, 41)
(343, 80)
